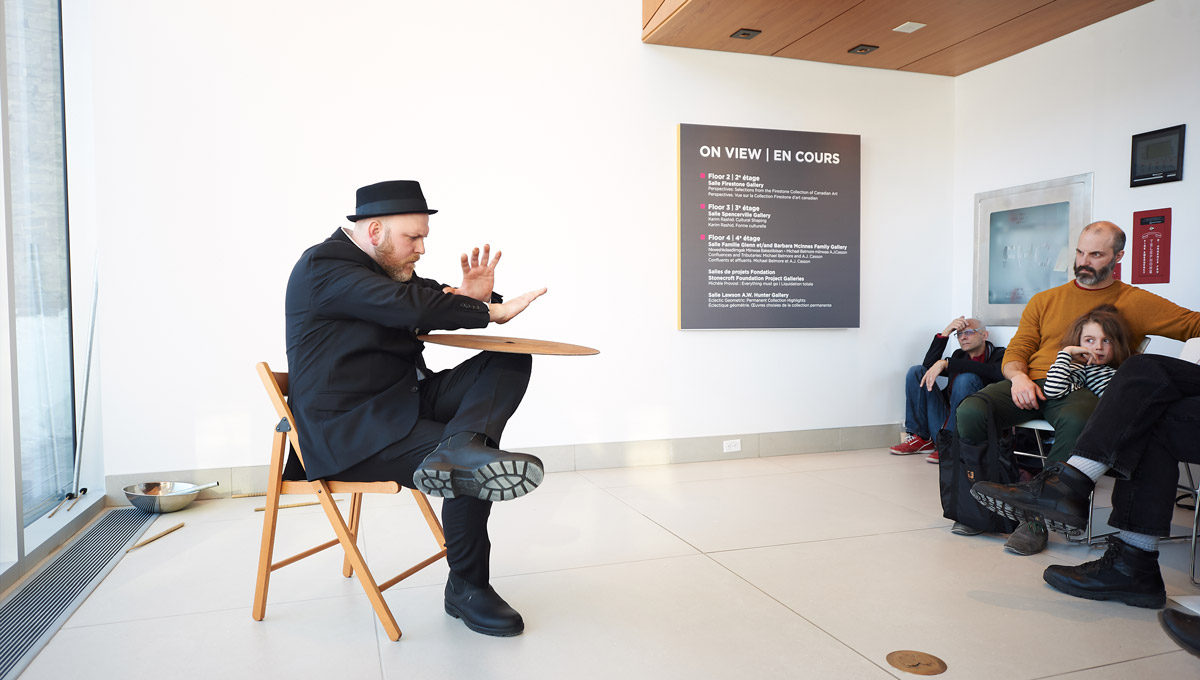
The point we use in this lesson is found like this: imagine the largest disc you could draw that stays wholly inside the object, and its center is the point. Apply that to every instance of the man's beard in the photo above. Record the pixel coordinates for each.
(397, 271)
(1090, 277)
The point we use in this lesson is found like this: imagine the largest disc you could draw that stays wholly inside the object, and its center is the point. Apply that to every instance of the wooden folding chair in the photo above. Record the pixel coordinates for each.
(347, 534)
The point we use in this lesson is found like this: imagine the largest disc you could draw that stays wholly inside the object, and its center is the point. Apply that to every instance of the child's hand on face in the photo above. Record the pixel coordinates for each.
(1078, 354)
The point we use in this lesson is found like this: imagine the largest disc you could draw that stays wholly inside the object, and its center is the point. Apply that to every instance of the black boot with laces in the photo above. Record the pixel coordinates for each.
(1124, 573)
(1059, 496)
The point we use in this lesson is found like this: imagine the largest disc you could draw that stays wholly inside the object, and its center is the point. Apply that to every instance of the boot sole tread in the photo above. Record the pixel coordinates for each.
(501, 480)
(1054, 521)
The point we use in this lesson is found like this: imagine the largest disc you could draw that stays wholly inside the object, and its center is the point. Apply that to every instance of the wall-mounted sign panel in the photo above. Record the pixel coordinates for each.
(768, 228)
(1150, 260)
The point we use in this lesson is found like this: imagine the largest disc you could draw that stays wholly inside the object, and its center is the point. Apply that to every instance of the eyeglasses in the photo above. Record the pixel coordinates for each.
(967, 332)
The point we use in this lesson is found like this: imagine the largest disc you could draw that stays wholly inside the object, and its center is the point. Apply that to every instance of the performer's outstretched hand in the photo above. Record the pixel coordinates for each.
(505, 311)
(479, 274)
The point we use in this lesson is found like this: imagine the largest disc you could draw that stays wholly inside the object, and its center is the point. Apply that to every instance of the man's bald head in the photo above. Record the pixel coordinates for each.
(1115, 233)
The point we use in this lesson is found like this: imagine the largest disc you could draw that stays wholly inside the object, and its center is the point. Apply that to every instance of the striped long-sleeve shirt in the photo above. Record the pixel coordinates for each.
(1065, 376)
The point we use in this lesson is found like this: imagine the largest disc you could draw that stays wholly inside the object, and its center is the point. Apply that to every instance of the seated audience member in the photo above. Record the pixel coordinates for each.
(1147, 423)
(1038, 339)
(1095, 346)
(1044, 322)
(928, 408)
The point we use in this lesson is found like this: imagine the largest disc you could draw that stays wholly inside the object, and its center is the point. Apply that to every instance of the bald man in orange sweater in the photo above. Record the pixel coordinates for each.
(1039, 337)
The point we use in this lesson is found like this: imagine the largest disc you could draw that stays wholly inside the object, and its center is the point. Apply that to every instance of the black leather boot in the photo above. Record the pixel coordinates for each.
(1183, 628)
(465, 465)
(481, 609)
(1059, 495)
(1124, 573)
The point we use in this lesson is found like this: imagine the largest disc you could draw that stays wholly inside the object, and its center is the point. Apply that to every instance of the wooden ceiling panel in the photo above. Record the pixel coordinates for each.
(649, 7)
(959, 36)
(871, 22)
(1042, 25)
(707, 24)
(654, 12)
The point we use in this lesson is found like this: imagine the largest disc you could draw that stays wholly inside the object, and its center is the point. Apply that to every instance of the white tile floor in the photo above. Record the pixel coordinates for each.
(809, 566)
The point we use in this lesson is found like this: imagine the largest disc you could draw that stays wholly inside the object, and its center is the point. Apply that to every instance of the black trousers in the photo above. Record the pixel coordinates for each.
(478, 395)
(1145, 425)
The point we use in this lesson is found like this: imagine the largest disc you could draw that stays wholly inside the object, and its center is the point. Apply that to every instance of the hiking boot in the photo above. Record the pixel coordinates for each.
(914, 444)
(466, 464)
(481, 608)
(1058, 495)
(1124, 573)
(1029, 539)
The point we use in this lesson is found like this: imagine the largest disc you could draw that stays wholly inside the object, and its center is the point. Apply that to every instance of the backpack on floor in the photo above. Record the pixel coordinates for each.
(961, 464)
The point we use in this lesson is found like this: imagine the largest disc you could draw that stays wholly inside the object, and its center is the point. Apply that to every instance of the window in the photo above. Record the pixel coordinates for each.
(37, 213)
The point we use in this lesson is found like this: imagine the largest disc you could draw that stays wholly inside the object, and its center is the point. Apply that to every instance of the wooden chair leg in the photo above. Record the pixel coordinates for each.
(431, 519)
(270, 521)
(356, 560)
(355, 512)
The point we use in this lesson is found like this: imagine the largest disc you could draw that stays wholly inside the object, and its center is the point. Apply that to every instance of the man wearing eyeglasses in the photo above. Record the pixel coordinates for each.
(928, 408)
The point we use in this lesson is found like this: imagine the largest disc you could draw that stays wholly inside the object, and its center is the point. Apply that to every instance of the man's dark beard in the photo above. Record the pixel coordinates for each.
(1091, 276)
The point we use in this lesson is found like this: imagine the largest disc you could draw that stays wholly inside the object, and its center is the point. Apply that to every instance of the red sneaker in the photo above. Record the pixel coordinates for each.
(914, 444)
(932, 458)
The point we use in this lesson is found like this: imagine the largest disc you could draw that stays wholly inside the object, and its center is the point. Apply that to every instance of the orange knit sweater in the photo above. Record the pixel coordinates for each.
(1051, 312)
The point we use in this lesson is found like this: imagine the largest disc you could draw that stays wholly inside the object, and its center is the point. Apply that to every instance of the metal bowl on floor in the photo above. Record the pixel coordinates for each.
(164, 496)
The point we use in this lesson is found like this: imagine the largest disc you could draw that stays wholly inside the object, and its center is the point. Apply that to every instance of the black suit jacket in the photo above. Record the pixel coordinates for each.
(353, 353)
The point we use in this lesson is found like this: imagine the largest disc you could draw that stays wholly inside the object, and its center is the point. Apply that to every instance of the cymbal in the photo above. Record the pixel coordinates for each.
(496, 343)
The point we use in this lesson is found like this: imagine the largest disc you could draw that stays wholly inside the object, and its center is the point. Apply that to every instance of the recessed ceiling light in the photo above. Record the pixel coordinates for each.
(745, 34)
(909, 27)
(863, 49)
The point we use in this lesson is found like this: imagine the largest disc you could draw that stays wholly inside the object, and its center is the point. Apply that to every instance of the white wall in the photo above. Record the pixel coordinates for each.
(1071, 106)
(221, 138)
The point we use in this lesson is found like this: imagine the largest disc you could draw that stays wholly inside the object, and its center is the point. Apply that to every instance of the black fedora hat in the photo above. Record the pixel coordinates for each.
(396, 197)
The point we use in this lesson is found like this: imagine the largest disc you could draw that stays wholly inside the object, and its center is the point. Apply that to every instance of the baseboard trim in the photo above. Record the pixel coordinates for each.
(251, 480)
(703, 449)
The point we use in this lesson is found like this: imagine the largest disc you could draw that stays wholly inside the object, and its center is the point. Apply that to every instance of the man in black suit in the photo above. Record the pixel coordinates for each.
(370, 410)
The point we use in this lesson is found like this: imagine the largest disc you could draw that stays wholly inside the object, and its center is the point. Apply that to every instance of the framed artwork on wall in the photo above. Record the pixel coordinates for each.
(1024, 243)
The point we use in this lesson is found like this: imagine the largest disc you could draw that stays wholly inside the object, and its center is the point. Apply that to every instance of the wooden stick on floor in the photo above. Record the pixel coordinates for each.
(155, 537)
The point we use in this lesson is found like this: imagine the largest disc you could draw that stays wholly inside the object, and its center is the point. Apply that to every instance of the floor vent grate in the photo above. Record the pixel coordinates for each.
(30, 617)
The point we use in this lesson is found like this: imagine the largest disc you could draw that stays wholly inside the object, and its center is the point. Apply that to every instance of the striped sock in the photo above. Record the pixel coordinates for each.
(1087, 466)
(1142, 541)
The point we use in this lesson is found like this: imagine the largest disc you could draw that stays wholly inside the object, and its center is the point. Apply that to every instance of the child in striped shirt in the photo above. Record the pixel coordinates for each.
(1096, 344)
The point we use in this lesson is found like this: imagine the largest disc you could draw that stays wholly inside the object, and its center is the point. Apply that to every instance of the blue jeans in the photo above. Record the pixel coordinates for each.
(927, 411)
